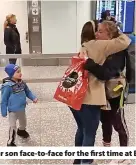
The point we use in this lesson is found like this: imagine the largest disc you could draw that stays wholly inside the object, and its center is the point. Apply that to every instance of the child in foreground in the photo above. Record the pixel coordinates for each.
(13, 100)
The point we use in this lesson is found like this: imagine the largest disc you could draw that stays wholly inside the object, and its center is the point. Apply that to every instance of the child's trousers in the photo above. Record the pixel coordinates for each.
(13, 117)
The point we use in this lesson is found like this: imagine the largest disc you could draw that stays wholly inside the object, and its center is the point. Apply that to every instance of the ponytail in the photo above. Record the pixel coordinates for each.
(5, 24)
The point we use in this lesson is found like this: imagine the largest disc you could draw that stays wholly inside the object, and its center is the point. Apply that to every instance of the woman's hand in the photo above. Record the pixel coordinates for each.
(83, 55)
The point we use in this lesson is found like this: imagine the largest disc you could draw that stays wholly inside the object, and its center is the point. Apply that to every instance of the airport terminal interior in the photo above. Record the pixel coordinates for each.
(50, 36)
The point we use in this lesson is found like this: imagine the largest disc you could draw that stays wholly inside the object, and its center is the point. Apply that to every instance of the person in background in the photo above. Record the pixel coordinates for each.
(106, 16)
(88, 117)
(132, 36)
(13, 99)
(112, 70)
(12, 37)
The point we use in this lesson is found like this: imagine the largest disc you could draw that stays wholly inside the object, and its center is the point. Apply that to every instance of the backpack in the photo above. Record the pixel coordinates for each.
(130, 65)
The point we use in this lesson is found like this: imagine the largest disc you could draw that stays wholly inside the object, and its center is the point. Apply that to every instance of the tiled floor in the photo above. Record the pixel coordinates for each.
(52, 124)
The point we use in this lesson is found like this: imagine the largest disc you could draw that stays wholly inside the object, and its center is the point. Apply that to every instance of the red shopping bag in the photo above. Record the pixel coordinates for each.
(73, 86)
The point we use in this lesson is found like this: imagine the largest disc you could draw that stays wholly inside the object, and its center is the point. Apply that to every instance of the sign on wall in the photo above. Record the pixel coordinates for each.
(34, 26)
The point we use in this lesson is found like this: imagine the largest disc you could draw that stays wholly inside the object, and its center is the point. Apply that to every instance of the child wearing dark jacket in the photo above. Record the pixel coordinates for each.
(13, 101)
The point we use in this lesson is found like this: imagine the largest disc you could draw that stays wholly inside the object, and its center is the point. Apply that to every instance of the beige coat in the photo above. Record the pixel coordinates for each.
(99, 50)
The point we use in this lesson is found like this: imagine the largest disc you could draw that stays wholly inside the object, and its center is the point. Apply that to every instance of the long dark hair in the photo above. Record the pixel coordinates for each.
(88, 31)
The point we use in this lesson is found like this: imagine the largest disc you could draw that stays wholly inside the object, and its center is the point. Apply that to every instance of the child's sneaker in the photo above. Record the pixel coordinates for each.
(11, 145)
(23, 133)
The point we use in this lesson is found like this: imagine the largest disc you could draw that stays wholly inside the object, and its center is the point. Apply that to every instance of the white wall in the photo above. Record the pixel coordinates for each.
(83, 15)
(19, 8)
(59, 26)
(62, 22)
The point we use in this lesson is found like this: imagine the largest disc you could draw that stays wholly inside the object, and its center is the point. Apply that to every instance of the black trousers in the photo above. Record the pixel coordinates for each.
(12, 60)
(114, 118)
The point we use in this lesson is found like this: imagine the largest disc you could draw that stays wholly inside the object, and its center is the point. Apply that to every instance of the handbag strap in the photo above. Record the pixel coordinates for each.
(121, 103)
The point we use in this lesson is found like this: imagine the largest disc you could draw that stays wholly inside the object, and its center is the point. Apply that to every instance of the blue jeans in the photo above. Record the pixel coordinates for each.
(87, 120)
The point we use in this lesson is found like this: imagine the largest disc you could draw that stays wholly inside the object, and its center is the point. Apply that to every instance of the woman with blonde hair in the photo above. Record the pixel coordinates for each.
(11, 37)
(88, 117)
(111, 72)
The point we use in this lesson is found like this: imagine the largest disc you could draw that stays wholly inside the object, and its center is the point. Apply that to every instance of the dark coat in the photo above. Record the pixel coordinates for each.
(12, 40)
